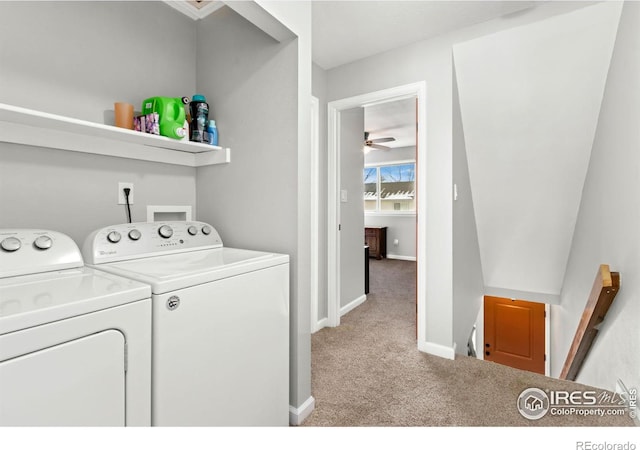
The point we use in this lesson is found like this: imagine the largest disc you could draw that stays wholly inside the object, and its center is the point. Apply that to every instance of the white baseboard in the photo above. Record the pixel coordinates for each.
(348, 307)
(320, 324)
(438, 350)
(298, 415)
(402, 257)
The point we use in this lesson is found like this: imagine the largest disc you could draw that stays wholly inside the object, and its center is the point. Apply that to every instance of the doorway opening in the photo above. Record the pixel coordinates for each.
(337, 111)
(389, 177)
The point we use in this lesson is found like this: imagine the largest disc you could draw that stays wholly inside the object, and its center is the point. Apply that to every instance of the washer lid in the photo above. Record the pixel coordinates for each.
(181, 270)
(32, 300)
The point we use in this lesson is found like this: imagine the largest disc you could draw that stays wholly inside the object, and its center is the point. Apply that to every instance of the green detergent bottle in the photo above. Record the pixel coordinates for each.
(171, 114)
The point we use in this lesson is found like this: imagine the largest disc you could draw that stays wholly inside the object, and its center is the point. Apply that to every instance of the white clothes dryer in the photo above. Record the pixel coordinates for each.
(220, 345)
(75, 342)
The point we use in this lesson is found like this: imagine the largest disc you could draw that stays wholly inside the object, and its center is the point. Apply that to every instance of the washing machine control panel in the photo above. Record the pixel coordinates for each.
(144, 239)
(28, 251)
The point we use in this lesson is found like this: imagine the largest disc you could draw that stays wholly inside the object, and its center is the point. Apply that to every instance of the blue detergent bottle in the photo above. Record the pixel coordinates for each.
(212, 131)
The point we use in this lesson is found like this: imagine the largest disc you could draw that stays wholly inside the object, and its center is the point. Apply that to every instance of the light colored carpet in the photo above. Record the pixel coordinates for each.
(368, 371)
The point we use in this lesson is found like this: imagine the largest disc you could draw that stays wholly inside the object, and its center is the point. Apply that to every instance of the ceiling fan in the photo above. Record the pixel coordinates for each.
(374, 143)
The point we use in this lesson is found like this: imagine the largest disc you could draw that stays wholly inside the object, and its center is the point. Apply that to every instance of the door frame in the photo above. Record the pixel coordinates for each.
(315, 211)
(414, 90)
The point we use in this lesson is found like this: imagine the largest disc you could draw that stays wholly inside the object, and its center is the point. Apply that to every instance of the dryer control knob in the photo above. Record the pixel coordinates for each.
(114, 237)
(206, 230)
(165, 231)
(43, 243)
(192, 230)
(10, 244)
(134, 235)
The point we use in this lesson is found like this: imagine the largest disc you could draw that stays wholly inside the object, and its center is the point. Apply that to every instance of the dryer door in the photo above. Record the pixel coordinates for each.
(78, 383)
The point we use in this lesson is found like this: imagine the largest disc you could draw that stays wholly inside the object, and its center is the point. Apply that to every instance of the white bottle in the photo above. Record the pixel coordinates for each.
(185, 136)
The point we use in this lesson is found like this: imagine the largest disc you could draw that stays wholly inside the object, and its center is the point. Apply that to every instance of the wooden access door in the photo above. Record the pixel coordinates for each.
(514, 333)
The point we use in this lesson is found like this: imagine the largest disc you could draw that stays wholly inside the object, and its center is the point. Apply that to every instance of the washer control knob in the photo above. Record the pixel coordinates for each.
(206, 230)
(192, 230)
(114, 237)
(165, 231)
(43, 243)
(134, 235)
(10, 244)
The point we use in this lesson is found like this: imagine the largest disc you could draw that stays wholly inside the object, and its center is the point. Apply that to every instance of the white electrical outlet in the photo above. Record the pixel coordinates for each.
(396, 242)
(121, 198)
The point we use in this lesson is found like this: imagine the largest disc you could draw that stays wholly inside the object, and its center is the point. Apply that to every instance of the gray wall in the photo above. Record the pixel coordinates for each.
(319, 90)
(250, 82)
(76, 193)
(468, 284)
(351, 211)
(76, 59)
(250, 86)
(430, 60)
(400, 227)
(608, 224)
(296, 16)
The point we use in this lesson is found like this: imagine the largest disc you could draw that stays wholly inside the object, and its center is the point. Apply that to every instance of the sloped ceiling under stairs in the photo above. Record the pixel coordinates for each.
(530, 99)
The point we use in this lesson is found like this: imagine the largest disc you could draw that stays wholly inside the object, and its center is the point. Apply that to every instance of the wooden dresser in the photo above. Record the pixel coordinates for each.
(376, 239)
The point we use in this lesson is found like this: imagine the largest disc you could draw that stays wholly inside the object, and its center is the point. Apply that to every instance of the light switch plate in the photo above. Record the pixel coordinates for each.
(343, 195)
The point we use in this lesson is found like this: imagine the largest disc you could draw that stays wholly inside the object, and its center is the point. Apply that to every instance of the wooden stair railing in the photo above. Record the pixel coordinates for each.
(605, 288)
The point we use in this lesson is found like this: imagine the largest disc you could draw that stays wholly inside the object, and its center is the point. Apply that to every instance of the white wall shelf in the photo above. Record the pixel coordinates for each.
(30, 127)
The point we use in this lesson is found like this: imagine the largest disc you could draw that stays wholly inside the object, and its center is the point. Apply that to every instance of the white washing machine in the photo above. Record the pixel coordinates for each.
(74, 341)
(220, 351)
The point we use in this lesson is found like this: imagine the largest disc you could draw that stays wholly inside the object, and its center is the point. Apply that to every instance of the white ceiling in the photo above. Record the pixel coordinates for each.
(346, 31)
(395, 119)
(530, 99)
